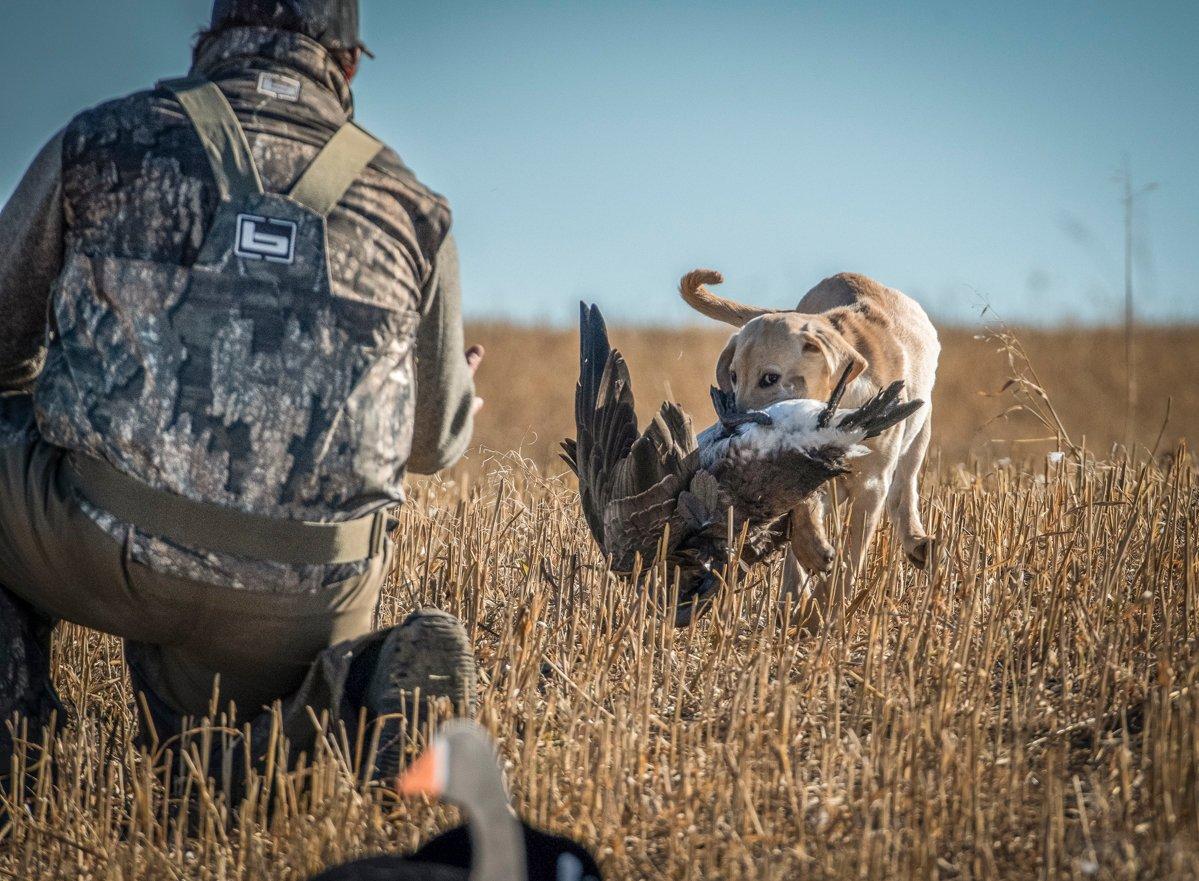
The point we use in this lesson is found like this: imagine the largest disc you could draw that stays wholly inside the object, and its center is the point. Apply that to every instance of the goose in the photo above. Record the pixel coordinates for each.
(665, 484)
(460, 767)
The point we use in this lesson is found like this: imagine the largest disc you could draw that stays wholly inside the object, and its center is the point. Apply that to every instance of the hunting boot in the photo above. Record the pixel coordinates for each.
(26, 693)
(427, 657)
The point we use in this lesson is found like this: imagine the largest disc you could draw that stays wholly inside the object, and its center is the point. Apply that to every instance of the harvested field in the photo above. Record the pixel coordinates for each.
(528, 381)
(1026, 708)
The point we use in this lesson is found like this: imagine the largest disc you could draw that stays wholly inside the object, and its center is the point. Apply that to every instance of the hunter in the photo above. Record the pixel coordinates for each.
(231, 323)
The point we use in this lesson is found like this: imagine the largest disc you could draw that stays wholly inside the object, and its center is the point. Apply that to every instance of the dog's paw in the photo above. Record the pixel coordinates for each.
(816, 557)
(920, 551)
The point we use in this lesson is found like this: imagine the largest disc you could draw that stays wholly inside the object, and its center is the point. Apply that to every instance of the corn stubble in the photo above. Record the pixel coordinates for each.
(1027, 708)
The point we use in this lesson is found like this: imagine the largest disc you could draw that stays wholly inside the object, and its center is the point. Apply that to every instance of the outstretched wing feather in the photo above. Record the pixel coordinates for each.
(634, 524)
(605, 419)
(624, 477)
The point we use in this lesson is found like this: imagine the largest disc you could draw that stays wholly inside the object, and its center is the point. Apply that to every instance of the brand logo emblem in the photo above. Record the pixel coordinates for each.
(264, 238)
(276, 85)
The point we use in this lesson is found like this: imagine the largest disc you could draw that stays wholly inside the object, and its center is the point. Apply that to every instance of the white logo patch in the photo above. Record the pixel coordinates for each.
(277, 85)
(263, 238)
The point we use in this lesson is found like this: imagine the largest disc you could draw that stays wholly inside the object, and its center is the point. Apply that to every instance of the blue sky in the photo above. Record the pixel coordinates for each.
(961, 152)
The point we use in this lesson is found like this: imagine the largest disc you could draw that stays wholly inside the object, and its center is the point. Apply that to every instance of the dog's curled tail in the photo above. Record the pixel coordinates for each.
(698, 297)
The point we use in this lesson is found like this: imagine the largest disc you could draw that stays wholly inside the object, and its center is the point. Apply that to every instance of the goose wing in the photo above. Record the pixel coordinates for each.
(629, 482)
(879, 413)
(771, 462)
(605, 418)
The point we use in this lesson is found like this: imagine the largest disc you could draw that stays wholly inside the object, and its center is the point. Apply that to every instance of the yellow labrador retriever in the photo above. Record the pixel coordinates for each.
(882, 335)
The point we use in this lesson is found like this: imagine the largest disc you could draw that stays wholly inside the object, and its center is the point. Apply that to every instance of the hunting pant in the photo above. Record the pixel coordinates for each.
(308, 650)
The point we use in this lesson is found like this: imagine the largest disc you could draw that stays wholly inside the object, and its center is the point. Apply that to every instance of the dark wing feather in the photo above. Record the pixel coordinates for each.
(633, 524)
(627, 482)
(659, 451)
(605, 420)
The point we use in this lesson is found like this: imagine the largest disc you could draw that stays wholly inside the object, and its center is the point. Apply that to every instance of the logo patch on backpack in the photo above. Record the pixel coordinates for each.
(264, 238)
(277, 85)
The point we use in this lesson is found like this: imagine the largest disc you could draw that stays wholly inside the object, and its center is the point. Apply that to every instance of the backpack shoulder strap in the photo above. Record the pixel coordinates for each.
(335, 169)
(222, 135)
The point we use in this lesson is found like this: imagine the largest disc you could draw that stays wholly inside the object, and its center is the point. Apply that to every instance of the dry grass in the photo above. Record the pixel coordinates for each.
(529, 375)
(1028, 708)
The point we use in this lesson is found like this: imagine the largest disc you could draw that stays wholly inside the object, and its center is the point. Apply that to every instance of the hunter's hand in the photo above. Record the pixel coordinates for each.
(474, 357)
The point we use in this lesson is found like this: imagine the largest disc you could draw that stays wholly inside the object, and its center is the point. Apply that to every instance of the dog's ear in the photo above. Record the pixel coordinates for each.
(838, 353)
(724, 365)
(698, 297)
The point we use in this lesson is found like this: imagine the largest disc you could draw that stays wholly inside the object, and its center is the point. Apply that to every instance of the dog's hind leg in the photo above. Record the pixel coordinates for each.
(903, 501)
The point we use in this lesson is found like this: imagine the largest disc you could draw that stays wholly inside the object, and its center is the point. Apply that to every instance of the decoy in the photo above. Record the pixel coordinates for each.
(666, 490)
(460, 767)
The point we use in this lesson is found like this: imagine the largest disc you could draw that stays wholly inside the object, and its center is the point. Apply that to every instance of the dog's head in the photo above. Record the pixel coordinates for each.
(783, 355)
(777, 355)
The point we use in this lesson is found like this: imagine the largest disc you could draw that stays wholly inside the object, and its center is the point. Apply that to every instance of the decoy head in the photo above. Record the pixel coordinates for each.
(459, 763)
(460, 767)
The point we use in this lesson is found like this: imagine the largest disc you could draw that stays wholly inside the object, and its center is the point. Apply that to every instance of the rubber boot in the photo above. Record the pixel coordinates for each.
(26, 692)
(427, 657)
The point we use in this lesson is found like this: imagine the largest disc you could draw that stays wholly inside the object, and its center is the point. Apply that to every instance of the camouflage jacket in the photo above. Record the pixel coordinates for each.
(309, 415)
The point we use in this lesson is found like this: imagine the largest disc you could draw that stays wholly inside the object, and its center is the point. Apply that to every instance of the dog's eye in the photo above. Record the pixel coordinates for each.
(733, 377)
(768, 379)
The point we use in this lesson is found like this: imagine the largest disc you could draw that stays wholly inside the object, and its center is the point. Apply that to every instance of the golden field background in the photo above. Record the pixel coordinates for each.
(528, 376)
(1027, 708)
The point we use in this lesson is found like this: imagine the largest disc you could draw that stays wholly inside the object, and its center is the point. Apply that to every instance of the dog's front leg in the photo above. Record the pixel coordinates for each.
(867, 500)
